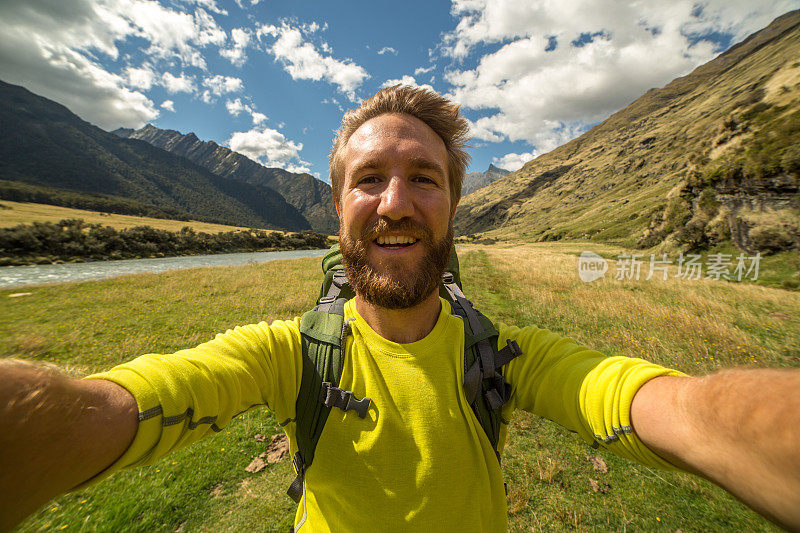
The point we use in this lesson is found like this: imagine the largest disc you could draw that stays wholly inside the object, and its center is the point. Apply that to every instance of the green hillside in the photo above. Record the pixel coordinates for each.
(710, 160)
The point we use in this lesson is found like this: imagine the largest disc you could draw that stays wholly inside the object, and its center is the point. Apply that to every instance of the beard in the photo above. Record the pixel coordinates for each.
(397, 286)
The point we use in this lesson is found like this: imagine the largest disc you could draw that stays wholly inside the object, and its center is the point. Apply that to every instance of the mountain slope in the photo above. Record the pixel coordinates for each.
(310, 196)
(49, 154)
(710, 158)
(477, 180)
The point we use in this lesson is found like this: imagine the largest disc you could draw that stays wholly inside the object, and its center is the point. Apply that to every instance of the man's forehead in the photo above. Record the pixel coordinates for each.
(393, 133)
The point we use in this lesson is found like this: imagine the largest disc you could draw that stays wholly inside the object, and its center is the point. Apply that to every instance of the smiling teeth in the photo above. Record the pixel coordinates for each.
(392, 239)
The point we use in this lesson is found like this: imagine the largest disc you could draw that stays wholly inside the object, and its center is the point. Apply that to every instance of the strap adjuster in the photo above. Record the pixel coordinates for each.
(331, 396)
(298, 463)
(295, 490)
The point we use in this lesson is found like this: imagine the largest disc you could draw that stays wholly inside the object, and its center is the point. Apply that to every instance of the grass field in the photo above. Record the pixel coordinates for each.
(13, 213)
(695, 326)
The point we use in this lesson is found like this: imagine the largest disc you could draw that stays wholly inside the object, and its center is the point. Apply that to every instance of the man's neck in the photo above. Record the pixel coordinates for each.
(401, 325)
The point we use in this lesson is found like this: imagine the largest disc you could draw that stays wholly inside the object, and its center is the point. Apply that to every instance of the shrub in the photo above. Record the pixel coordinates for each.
(757, 109)
(790, 162)
(771, 239)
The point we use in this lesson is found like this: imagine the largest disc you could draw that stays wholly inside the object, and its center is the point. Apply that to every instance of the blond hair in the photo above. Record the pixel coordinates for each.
(436, 111)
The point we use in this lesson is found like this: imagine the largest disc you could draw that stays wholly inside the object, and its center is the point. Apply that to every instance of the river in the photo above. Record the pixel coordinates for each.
(17, 276)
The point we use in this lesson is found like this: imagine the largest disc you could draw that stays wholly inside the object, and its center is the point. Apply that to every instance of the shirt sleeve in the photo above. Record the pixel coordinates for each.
(581, 389)
(189, 394)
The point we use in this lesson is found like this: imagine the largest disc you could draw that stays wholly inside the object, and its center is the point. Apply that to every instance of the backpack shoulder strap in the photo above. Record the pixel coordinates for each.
(323, 332)
(484, 384)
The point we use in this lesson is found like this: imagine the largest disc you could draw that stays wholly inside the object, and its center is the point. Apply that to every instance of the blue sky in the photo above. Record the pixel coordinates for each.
(271, 79)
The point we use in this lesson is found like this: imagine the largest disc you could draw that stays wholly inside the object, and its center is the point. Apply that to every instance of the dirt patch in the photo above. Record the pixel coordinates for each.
(277, 450)
(216, 491)
(597, 463)
(599, 486)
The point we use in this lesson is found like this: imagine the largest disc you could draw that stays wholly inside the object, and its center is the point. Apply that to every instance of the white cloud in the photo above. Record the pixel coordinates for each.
(237, 53)
(210, 5)
(481, 130)
(303, 61)
(72, 80)
(258, 118)
(140, 78)
(529, 90)
(269, 147)
(171, 34)
(178, 84)
(169, 105)
(146, 78)
(422, 70)
(387, 50)
(218, 85)
(514, 161)
(405, 80)
(291, 167)
(236, 106)
(55, 49)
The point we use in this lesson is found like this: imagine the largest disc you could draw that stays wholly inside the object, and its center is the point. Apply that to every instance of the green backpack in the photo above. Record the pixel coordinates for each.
(324, 331)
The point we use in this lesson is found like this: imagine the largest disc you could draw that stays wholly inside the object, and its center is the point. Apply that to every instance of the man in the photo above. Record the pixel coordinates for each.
(418, 458)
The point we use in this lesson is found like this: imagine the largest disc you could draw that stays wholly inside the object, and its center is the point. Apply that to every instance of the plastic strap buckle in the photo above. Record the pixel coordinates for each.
(332, 396)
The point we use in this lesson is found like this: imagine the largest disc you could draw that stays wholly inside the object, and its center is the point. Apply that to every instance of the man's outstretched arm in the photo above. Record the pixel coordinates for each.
(739, 428)
(55, 433)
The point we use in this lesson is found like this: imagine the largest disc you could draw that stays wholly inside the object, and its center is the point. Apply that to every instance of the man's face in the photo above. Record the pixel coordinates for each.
(395, 211)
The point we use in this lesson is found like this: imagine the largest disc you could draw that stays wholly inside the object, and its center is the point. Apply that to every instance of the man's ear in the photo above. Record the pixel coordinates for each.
(338, 211)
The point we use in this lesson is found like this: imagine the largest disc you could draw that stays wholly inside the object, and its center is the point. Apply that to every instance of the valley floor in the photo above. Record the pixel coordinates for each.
(555, 481)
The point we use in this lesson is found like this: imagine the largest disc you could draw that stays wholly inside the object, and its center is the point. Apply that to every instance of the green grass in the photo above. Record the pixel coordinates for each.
(693, 326)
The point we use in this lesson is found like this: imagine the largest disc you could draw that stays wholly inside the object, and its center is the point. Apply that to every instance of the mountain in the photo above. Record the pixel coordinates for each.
(712, 157)
(48, 154)
(310, 196)
(476, 180)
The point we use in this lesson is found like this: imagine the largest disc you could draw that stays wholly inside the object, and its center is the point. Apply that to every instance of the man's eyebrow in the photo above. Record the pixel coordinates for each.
(419, 163)
(368, 164)
(422, 163)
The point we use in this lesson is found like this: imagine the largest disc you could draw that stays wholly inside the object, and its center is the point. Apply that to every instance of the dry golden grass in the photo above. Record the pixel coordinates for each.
(26, 213)
(692, 325)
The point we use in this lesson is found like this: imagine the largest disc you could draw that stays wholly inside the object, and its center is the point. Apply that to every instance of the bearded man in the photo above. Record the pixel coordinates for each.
(418, 459)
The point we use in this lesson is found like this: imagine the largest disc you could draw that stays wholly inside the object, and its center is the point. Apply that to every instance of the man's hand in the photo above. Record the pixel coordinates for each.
(55, 433)
(739, 428)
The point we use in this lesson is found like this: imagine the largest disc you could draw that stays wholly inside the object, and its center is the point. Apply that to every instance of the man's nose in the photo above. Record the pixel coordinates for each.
(396, 202)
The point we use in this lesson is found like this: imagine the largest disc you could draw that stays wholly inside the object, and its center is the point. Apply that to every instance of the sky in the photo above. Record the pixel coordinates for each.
(270, 79)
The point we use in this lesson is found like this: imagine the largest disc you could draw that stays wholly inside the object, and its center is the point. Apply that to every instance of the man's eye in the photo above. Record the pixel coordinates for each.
(366, 180)
(424, 179)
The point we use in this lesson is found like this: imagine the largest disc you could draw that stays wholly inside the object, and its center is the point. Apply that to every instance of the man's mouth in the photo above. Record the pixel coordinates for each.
(394, 242)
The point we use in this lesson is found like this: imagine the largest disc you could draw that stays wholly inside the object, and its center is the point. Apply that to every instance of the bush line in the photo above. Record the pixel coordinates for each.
(73, 240)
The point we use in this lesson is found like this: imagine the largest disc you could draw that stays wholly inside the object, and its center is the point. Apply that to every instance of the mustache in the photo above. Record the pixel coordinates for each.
(408, 226)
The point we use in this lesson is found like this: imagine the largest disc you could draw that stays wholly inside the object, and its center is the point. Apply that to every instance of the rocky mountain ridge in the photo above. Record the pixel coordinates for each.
(310, 196)
(712, 157)
(477, 180)
(49, 155)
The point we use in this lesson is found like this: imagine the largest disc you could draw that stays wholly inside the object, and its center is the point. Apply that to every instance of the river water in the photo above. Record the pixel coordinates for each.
(16, 276)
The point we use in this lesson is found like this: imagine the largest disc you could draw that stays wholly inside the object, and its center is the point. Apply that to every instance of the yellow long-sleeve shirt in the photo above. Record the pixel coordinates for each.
(419, 458)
